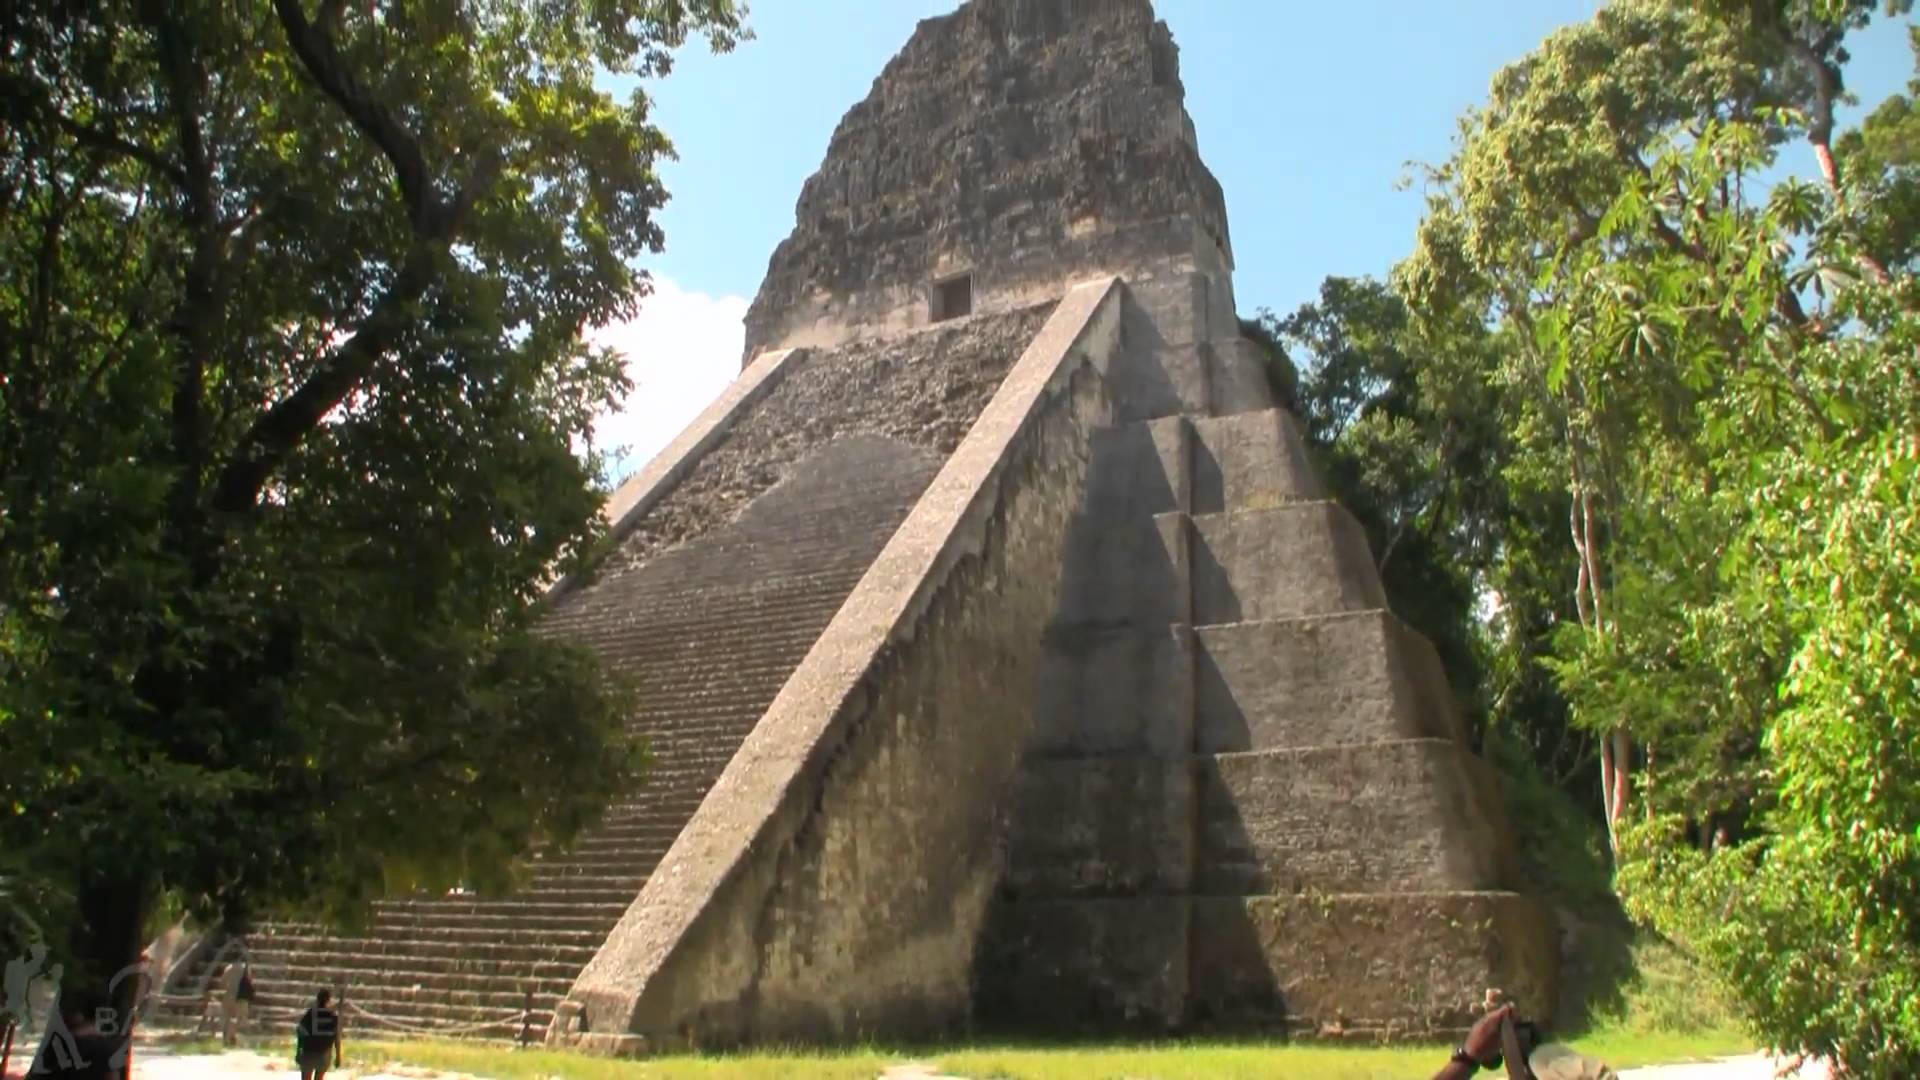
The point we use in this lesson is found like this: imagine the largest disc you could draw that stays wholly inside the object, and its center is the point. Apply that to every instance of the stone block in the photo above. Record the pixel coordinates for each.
(1303, 559)
(1113, 826)
(1237, 375)
(1125, 691)
(1131, 572)
(1384, 817)
(1139, 469)
(1150, 382)
(1404, 967)
(1318, 681)
(1063, 966)
(1251, 461)
(1167, 311)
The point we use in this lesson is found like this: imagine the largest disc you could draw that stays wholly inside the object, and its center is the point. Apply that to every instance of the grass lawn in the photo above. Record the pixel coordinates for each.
(1198, 1060)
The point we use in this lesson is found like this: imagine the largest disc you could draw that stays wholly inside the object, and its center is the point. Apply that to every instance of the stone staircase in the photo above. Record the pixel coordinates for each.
(1250, 803)
(710, 630)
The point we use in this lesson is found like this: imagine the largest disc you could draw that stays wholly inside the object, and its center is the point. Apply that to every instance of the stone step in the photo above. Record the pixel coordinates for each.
(1370, 966)
(519, 904)
(1321, 680)
(1276, 821)
(1403, 816)
(488, 987)
(1250, 461)
(753, 641)
(693, 599)
(524, 951)
(1237, 377)
(428, 919)
(465, 935)
(1285, 562)
(355, 954)
(710, 630)
(558, 872)
(294, 977)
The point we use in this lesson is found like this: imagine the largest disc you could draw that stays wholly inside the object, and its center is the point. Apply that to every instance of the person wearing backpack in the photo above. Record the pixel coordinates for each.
(316, 1038)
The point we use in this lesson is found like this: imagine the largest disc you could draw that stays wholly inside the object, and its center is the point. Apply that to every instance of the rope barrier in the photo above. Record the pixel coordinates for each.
(417, 1029)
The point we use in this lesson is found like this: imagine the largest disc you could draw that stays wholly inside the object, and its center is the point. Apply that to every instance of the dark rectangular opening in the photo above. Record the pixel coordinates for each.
(953, 298)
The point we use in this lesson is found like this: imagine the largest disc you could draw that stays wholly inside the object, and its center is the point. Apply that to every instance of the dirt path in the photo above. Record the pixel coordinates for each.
(152, 1063)
(1751, 1067)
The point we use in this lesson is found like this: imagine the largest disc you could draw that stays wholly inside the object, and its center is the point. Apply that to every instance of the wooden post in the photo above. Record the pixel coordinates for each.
(6, 1047)
(526, 1020)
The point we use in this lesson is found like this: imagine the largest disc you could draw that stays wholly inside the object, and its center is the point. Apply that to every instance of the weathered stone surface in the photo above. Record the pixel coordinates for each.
(1319, 681)
(1250, 461)
(1124, 570)
(1392, 817)
(1413, 966)
(1302, 559)
(834, 882)
(924, 389)
(1237, 376)
(1126, 690)
(1067, 966)
(1104, 826)
(1027, 142)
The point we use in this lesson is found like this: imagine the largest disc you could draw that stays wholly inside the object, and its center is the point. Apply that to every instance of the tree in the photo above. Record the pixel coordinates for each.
(1514, 230)
(291, 302)
(1724, 377)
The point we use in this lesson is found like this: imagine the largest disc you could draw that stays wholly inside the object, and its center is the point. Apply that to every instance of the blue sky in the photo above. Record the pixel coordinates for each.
(1307, 113)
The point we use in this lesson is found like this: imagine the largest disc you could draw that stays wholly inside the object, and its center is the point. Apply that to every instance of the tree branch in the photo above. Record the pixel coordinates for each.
(1826, 90)
(90, 135)
(314, 44)
(106, 140)
(1666, 232)
(275, 434)
(434, 220)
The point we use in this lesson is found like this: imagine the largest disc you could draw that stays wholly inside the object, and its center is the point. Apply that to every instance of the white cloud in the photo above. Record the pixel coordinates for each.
(682, 349)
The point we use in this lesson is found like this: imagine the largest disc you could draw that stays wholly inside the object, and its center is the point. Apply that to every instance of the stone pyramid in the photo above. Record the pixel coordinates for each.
(1004, 664)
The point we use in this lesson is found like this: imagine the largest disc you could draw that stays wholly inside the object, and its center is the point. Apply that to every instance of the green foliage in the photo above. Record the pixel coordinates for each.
(1720, 379)
(290, 304)
(1562, 849)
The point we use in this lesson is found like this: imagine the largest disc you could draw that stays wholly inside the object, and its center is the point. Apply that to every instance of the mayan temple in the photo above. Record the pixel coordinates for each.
(1004, 665)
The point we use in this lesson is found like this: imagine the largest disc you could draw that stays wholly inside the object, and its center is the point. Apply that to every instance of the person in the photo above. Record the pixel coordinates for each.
(233, 1008)
(1483, 1048)
(244, 995)
(316, 1038)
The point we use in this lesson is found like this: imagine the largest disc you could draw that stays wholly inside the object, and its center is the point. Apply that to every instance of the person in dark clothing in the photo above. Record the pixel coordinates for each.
(316, 1039)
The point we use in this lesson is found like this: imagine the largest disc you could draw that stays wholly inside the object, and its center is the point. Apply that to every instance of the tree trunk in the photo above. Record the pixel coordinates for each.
(1616, 750)
(108, 935)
